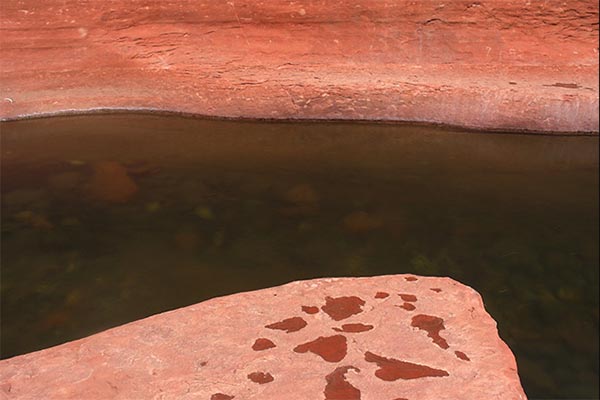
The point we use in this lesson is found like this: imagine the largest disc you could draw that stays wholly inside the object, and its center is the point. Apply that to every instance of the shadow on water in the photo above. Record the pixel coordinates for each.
(107, 219)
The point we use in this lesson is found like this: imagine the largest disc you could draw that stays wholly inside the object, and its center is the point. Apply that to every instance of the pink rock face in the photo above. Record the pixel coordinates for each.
(491, 64)
(224, 349)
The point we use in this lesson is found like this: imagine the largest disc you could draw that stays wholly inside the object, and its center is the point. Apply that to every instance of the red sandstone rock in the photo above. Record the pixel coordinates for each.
(492, 64)
(331, 348)
(408, 306)
(288, 325)
(354, 328)
(360, 222)
(206, 351)
(263, 344)
(111, 183)
(310, 309)
(339, 308)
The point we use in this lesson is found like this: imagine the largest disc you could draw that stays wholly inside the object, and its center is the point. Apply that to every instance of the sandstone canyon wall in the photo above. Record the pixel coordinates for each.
(488, 64)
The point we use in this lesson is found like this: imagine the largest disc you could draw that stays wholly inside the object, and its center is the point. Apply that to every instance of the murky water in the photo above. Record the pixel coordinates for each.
(107, 219)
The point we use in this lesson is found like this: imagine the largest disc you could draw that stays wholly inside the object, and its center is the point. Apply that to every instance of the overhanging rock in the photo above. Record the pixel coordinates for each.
(488, 64)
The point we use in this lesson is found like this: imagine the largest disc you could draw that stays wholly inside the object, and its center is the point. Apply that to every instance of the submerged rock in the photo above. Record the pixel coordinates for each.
(152, 207)
(302, 200)
(361, 222)
(204, 212)
(325, 339)
(111, 183)
(35, 220)
(302, 194)
(23, 197)
(187, 240)
(65, 180)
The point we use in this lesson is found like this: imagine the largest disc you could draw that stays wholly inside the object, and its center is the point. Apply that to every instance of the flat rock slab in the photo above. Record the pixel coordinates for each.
(380, 338)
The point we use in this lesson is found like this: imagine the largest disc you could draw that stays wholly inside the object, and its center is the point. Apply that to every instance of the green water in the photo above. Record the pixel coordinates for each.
(108, 219)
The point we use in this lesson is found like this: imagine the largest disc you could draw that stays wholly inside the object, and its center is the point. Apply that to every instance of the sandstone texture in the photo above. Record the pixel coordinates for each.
(328, 339)
(489, 64)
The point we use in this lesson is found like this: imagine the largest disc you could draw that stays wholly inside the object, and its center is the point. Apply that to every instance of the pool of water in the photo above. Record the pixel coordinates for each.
(110, 218)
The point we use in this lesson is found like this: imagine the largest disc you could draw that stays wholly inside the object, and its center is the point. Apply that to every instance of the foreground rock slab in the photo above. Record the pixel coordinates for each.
(380, 338)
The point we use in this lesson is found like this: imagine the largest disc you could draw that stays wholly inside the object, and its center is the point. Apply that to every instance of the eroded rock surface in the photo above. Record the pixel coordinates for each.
(500, 64)
(227, 348)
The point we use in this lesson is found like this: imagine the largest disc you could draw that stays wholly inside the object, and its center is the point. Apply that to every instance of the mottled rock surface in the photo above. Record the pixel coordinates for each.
(493, 64)
(329, 339)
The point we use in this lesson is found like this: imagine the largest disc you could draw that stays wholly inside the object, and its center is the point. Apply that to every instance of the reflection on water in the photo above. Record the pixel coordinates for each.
(107, 219)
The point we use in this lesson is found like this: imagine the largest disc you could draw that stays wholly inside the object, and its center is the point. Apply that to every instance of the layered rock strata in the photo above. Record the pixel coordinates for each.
(488, 64)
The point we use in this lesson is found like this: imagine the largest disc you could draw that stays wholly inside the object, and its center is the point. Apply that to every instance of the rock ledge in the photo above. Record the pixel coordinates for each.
(488, 64)
(379, 338)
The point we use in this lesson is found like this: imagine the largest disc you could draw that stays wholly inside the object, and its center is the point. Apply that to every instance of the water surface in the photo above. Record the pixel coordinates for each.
(108, 219)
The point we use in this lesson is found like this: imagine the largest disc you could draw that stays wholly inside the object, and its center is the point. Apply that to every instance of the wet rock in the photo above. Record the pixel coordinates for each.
(361, 222)
(111, 183)
(76, 163)
(65, 181)
(74, 297)
(218, 238)
(204, 212)
(141, 168)
(35, 220)
(22, 197)
(570, 294)
(536, 373)
(70, 222)
(302, 200)
(255, 185)
(187, 240)
(54, 320)
(423, 265)
(302, 194)
(152, 207)
(355, 265)
(191, 192)
(259, 345)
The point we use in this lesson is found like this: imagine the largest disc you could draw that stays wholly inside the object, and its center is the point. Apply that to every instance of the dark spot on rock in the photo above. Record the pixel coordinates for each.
(354, 328)
(565, 85)
(6, 387)
(261, 377)
(262, 344)
(381, 295)
(436, 289)
(512, 83)
(411, 278)
(338, 388)
(310, 309)
(392, 370)
(462, 355)
(432, 325)
(203, 363)
(331, 348)
(288, 325)
(342, 307)
(221, 396)
(408, 306)
(408, 297)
